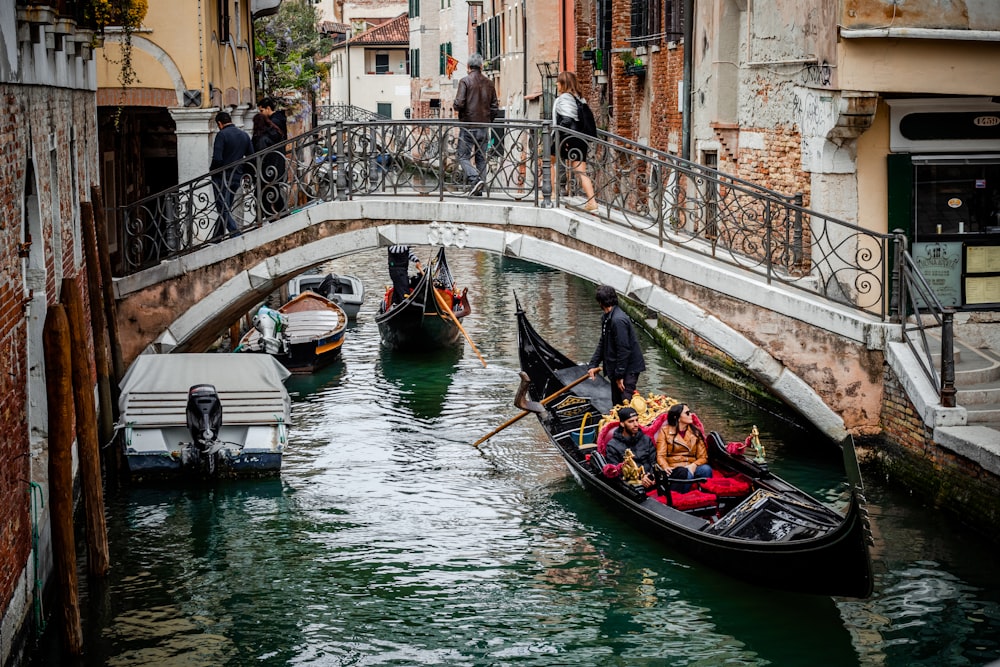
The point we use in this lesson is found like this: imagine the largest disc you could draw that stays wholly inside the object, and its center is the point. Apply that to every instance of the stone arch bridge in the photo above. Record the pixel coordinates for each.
(822, 358)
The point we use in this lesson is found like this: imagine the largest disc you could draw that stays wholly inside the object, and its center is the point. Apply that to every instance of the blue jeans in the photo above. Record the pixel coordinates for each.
(704, 470)
(473, 141)
(225, 187)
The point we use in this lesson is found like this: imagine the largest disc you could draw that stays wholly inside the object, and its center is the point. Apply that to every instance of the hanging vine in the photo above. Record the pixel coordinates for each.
(127, 15)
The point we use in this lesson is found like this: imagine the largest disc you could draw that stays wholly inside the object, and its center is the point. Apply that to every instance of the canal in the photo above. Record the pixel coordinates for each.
(389, 540)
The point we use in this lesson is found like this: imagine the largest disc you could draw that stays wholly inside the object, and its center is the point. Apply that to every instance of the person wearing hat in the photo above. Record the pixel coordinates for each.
(629, 435)
(618, 348)
(680, 446)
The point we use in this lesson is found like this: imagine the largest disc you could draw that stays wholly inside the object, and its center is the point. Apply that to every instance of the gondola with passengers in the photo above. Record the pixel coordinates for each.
(742, 519)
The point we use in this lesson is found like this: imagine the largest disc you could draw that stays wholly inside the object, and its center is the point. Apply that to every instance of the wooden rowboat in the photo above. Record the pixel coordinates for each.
(310, 338)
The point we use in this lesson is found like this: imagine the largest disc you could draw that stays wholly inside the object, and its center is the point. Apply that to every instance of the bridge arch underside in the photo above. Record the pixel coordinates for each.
(825, 362)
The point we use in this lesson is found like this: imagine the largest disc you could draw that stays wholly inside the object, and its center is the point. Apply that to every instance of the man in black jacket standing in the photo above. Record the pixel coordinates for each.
(231, 145)
(618, 348)
(475, 102)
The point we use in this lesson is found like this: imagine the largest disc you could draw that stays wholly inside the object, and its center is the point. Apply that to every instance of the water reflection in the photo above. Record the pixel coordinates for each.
(421, 380)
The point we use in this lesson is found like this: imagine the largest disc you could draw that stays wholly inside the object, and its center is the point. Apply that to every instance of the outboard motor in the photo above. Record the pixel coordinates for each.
(204, 415)
(271, 324)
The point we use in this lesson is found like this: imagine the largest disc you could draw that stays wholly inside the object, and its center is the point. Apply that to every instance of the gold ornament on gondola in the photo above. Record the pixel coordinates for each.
(632, 472)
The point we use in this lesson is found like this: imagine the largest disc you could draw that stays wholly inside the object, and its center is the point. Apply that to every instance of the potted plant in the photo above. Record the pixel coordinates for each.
(633, 65)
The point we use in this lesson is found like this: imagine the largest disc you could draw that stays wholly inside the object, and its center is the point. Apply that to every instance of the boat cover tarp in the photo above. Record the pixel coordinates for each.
(250, 386)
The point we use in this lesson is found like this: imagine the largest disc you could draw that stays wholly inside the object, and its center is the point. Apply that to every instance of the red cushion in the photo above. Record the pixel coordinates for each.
(727, 487)
(692, 500)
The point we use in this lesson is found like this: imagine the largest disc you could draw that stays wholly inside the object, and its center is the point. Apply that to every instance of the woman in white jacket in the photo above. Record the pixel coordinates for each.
(572, 150)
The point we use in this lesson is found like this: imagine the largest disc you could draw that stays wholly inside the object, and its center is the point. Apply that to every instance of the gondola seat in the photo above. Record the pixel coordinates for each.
(726, 486)
(695, 501)
(692, 501)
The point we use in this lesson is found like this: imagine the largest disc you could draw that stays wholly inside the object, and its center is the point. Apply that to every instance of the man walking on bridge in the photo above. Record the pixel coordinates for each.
(231, 145)
(475, 102)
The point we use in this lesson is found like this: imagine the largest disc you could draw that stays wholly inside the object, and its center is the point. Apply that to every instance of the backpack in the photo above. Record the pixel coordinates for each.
(585, 122)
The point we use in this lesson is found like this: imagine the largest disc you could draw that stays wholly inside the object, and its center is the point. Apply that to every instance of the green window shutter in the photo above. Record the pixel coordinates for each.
(900, 193)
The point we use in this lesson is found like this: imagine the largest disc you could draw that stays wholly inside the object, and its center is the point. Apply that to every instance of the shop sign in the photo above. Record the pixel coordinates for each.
(941, 265)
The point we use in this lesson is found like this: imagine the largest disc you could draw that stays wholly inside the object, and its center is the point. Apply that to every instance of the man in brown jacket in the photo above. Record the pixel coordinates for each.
(475, 102)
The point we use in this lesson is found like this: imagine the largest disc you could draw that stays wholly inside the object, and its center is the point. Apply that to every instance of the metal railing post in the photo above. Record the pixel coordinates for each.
(343, 160)
(898, 288)
(768, 240)
(546, 166)
(948, 390)
(797, 231)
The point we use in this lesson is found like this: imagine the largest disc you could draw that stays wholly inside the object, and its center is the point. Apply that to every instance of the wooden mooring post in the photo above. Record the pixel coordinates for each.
(110, 307)
(108, 395)
(88, 447)
(59, 393)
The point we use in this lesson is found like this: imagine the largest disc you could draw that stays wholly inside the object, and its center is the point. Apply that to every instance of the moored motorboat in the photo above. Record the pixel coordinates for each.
(305, 334)
(745, 520)
(346, 291)
(203, 415)
(429, 316)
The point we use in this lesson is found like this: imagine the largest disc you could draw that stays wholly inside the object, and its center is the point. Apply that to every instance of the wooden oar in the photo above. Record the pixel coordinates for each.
(444, 307)
(525, 413)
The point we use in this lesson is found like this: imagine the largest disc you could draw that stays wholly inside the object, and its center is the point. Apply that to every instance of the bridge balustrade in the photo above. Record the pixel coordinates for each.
(652, 192)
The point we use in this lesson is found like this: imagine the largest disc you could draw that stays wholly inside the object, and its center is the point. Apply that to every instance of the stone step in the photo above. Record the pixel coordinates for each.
(981, 393)
(986, 413)
(973, 366)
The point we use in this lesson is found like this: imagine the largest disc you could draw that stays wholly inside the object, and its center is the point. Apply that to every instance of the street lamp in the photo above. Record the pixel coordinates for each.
(548, 70)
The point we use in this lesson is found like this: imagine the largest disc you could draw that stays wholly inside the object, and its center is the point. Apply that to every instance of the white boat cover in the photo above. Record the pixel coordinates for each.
(251, 388)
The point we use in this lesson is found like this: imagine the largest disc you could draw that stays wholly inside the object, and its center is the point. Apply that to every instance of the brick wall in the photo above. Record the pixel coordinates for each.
(15, 530)
(906, 453)
(778, 167)
(44, 127)
(621, 103)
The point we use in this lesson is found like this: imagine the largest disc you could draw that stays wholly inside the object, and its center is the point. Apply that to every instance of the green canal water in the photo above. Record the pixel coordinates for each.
(389, 540)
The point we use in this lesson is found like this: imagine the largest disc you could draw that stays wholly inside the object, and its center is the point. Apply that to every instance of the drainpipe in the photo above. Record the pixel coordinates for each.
(524, 62)
(688, 79)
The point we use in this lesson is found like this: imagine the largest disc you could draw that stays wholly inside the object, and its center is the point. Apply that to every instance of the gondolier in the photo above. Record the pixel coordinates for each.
(400, 256)
(618, 348)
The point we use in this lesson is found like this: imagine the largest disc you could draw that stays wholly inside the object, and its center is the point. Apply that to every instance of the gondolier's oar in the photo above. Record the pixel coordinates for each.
(444, 306)
(525, 413)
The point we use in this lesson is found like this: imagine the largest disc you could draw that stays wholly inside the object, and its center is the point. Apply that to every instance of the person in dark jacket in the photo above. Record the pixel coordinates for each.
(272, 166)
(475, 102)
(629, 435)
(231, 145)
(269, 107)
(400, 257)
(618, 348)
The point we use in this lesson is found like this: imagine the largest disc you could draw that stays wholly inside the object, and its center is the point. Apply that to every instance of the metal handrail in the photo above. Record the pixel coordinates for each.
(670, 200)
(331, 113)
(918, 311)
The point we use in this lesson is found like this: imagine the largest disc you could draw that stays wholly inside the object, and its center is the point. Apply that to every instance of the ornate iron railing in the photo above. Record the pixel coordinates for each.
(332, 113)
(919, 311)
(654, 193)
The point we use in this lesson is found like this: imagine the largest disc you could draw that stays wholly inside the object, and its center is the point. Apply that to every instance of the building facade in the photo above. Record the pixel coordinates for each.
(50, 145)
(370, 69)
(880, 113)
(190, 60)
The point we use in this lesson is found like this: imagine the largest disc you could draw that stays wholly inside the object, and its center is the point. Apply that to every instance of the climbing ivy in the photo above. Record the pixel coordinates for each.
(289, 51)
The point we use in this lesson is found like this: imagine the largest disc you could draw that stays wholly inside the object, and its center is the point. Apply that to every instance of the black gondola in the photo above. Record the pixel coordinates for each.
(429, 316)
(772, 533)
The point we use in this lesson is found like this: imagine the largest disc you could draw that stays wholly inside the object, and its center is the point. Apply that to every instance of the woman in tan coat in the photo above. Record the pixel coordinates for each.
(680, 447)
